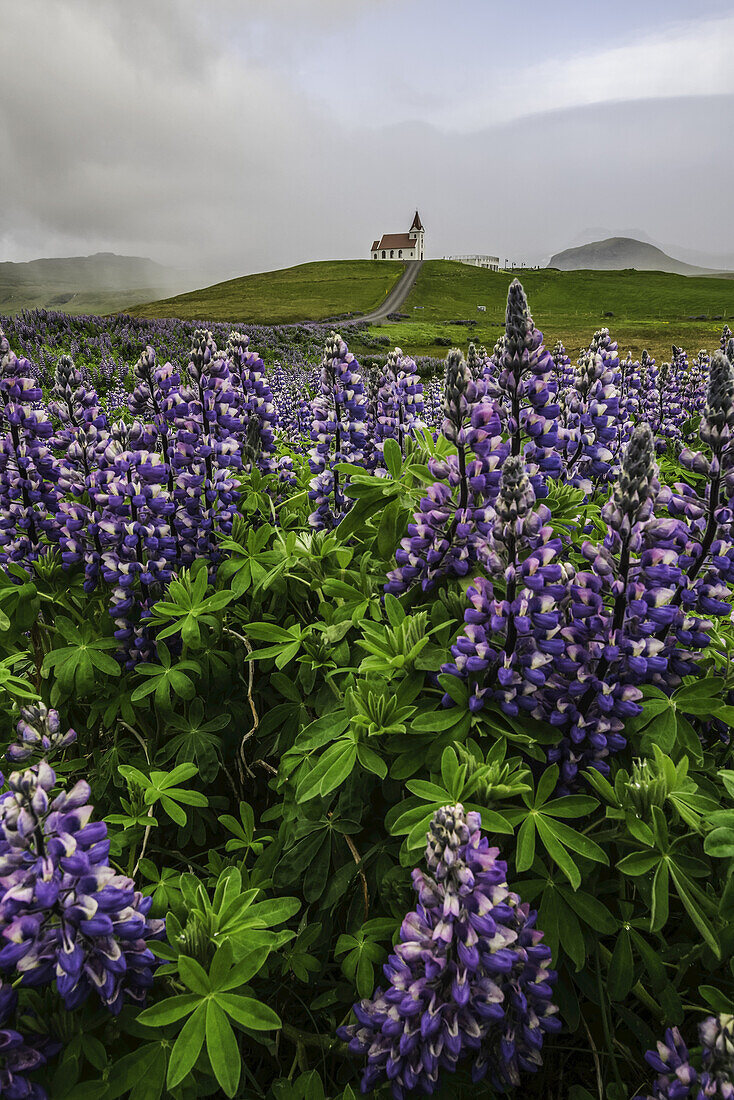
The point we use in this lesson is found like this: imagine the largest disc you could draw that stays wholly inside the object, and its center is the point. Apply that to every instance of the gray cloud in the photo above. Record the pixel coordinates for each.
(134, 127)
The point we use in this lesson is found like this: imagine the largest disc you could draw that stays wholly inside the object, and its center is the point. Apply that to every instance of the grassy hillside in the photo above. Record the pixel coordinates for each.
(447, 291)
(650, 309)
(82, 284)
(310, 292)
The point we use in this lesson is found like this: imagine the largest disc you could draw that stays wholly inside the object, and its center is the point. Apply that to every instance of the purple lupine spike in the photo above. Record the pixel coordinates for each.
(470, 979)
(137, 545)
(399, 400)
(610, 644)
(701, 527)
(562, 368)
(511, 637)
(67, 916)
(446, 537)
(257, 408)
(338, 431)
(678, 1079)
(72, 404)
(630, 399)
(526, 389)
(589, 433)
(28, 492)
(39, 734)
(478, 362)
(207, 449)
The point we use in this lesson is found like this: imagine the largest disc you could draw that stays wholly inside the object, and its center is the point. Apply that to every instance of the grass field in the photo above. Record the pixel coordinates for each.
(15, 298)
(649, 309)
(308, 292)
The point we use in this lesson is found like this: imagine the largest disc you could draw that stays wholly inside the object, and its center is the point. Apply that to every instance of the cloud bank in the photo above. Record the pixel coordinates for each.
(192, 134)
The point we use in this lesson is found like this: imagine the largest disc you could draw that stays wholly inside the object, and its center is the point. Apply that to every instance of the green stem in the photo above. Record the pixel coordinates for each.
(324, 1043)
(605, 1024)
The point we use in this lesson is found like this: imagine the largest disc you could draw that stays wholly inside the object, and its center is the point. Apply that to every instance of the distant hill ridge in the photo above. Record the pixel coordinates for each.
(619, 253)
(102, 282)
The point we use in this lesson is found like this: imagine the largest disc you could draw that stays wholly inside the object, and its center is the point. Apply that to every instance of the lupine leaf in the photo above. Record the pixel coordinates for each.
(187, 1047)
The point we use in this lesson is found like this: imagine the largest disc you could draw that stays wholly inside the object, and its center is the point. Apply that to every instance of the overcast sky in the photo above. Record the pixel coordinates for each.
(229, 136)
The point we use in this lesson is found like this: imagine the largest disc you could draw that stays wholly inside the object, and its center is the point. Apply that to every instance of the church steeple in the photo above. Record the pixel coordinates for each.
(416, 232)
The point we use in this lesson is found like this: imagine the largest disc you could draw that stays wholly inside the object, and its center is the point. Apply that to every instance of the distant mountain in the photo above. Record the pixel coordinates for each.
(101, 283)
(618, 253)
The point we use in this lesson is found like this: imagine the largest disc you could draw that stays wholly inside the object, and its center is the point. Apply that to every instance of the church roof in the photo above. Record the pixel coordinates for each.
(375, 246)
(417, 224)
(396, 240)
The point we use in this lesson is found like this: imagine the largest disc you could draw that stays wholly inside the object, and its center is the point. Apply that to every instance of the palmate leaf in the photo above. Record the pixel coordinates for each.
(558, 839)
(209, 1007)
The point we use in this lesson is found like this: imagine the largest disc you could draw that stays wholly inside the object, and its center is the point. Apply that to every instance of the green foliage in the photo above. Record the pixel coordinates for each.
(308, 292)
(270, 777)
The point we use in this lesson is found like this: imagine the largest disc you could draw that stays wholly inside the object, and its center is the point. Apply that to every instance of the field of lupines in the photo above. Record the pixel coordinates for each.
(361, 731)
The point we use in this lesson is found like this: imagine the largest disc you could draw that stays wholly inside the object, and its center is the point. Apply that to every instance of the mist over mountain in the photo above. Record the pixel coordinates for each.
(595, 235)
(618, 253)
(102, 282)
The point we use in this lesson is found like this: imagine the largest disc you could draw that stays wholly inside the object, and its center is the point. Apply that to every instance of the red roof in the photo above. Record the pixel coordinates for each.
(375, 246)
(396, 240)
(417, 221)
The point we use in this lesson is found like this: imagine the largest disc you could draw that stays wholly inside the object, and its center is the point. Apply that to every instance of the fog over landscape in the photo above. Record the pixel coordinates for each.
(230, 137)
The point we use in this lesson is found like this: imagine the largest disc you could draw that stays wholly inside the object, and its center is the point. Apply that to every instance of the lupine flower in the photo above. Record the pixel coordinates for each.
(477, 360)
(610, 643)
(27, 491)
(525, 390)
(137, 543)
(510, 638)
(19, 1057)
(67, 917)
(562, 367)
(630, 387)
(339, 433)
(399, 399)
(589, 433)
(469, 981)
(678, 1079)
(446, 536)
(206, 453)
(72, 404)
(256, 406)
(39, 734)
(701, 528)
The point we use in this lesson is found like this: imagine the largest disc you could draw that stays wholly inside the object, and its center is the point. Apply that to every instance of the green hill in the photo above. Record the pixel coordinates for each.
(618, 253)
(308, 292)
(642, 309)
(82, 284)
(647, 309)
(445, 290)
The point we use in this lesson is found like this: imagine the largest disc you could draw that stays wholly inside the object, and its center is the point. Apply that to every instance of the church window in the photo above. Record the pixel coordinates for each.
(383, 253)
(400, 253)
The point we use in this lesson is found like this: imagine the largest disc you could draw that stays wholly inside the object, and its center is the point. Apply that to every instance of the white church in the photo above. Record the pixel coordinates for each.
(400, 246)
